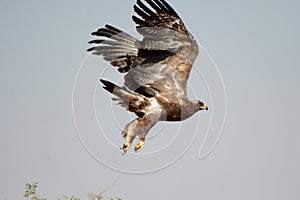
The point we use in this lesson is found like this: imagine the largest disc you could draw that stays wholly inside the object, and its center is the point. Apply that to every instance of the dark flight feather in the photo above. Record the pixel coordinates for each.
(153, 5)
(145, 8)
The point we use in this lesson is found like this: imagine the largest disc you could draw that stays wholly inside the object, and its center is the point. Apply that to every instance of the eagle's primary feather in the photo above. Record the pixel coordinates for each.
(156, 68)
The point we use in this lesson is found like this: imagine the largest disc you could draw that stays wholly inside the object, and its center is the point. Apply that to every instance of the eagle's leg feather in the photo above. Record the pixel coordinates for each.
(135, 128)
(129, 134)
(139, 127)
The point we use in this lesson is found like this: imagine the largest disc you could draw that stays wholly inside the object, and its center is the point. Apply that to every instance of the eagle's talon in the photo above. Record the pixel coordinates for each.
(125, 147)
(139, 146)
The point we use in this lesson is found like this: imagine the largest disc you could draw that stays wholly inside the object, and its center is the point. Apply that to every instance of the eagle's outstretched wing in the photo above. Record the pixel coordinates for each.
(161, 61)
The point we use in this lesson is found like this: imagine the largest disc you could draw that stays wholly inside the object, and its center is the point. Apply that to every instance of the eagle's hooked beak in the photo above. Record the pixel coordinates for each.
(204, 107)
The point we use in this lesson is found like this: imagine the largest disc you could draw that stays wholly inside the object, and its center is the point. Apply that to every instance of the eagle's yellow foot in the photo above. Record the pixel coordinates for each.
(139, 146)
(125, 147)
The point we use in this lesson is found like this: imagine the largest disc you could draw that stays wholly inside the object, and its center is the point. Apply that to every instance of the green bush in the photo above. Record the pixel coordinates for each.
(31, 193)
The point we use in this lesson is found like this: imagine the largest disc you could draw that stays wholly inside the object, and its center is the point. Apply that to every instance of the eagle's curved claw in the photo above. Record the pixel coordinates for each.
(139, 146)
(125, 147)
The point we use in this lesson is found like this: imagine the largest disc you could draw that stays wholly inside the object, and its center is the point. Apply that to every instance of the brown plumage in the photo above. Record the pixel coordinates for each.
(156, 68)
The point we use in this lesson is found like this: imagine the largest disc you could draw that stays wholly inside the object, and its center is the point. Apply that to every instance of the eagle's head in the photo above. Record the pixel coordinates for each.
(200, 105)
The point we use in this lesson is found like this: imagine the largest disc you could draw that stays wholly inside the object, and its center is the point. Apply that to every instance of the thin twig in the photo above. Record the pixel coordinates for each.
(92, 196)
(112, 185)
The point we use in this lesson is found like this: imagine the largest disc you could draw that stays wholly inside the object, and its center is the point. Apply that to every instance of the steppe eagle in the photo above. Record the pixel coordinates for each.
(156, 68)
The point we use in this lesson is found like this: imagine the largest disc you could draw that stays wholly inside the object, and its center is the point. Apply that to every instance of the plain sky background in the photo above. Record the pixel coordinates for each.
(254, 43)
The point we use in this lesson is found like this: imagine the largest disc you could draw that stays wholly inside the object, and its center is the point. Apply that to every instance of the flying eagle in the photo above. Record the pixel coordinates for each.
(156, 68)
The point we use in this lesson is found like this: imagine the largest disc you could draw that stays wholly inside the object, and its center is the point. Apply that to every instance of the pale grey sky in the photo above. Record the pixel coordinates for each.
(255, 45)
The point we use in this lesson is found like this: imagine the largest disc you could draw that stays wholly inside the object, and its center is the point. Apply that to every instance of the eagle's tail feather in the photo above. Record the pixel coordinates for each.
(109, 86)
(122, 93)
(117, 47)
